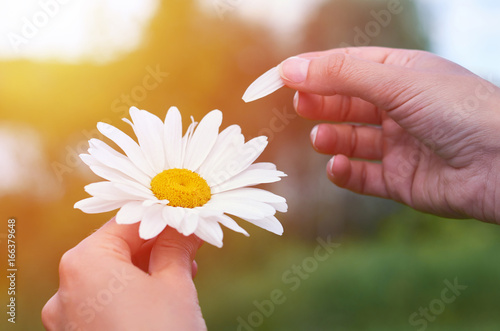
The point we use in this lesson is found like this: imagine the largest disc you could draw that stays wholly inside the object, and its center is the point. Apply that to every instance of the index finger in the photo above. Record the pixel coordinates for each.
(386, 86)
(381, 55)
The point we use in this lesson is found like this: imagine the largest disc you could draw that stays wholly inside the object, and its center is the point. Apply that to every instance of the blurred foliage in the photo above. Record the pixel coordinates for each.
(365, 284)
(391, 260)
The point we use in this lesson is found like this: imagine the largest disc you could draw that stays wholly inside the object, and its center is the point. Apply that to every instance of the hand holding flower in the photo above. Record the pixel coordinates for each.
(114, 280)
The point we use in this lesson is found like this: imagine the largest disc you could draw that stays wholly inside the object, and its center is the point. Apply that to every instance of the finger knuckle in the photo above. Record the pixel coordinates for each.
(69, 265)
(335, 65)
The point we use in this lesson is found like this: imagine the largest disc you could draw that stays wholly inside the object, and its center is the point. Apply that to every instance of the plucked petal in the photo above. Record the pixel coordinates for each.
(130, 213)
(95, 205)
(203, 140)
(266, 84)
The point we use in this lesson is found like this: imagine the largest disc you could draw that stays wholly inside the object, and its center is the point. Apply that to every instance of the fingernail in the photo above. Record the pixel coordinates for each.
(330, 164)
(295, 69)
(314, 132)
(296, 100)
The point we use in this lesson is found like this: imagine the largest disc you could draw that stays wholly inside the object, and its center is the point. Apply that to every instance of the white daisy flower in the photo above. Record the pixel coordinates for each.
(187, 182)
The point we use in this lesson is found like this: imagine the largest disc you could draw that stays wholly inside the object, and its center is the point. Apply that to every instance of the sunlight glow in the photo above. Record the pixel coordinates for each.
(72, 30)
(285, 18)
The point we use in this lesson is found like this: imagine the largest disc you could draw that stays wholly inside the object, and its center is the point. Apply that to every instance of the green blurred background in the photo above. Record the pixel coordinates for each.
(390, 262)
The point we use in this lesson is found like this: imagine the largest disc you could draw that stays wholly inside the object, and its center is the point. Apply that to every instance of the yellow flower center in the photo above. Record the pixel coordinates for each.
(181, 187)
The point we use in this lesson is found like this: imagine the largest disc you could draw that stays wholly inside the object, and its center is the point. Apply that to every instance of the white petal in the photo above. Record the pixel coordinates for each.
(128, 145)
(280, 206)
(228, 141)
(262, 166)
(252, 150)
(203, 140)
(254, 194)
(174, 216)
(104, 171)
(266, 84)
(207, 212)
(109, 157)
(112, 175)
(110, 191)
(137, 187)
(89, 160)
(95, 205)
(244, 208)
(186, 139)
(95, 143)
(234, 161)
(173, 138)
(152, 223)
(269, 223)
(210, 232)
(149, 131)
(189, 223)
(231, 224)
(130, 213)
(248, 177)
(152, 202)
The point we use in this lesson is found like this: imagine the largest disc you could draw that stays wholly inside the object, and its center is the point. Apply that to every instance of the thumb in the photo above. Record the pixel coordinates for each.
(386, 86)
(173, 253)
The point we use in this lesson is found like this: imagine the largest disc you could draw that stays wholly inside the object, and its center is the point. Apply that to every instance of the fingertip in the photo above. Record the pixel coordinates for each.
(308, 105)
(324, 139)
(339, 169)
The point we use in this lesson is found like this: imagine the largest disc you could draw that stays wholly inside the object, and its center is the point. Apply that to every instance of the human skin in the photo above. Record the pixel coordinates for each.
(426, 131)
(113, 280)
